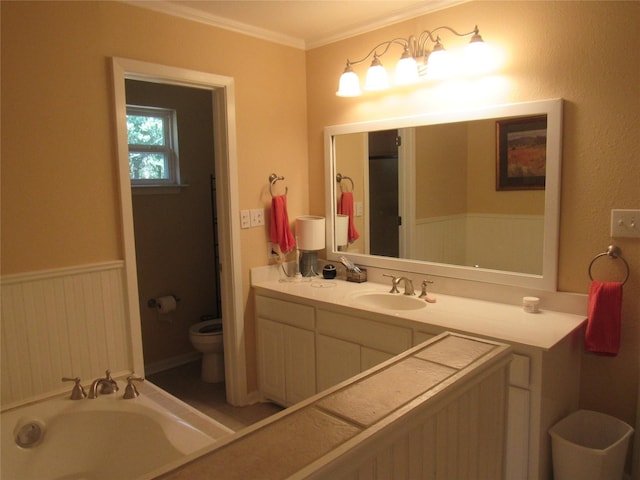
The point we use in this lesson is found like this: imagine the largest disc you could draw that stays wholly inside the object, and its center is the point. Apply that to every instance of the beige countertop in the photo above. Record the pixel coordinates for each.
(508, 323)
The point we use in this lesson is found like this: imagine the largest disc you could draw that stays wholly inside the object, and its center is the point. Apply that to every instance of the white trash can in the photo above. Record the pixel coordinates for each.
(589, 445)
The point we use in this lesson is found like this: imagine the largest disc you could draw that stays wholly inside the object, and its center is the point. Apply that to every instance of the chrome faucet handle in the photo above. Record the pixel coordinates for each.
(77, 392)
(394, 282)
(423, 294)
(130, 390)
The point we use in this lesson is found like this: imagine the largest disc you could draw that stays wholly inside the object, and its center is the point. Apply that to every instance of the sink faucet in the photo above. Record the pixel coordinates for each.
(104, 385)
(395, 281)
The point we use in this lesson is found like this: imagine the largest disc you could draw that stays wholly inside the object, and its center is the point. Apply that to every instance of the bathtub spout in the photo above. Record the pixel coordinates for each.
(103, 386)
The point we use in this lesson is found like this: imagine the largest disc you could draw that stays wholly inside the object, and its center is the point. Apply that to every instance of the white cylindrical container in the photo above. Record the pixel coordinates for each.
(531, 304)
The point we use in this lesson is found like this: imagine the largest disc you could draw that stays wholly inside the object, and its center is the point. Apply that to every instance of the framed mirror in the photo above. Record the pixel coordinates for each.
(473, 195)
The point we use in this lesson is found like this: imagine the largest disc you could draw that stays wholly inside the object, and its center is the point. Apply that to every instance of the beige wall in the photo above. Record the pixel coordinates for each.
(580, 51)
(60, 200)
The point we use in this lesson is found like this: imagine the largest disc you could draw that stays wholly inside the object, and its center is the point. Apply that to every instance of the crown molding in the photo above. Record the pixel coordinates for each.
(200, 16)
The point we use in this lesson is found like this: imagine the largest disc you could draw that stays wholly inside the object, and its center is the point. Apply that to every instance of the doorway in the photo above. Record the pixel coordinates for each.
(176, 228)
(225, 166)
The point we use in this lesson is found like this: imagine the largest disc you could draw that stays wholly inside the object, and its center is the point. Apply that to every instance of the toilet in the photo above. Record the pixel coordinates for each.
(206, 337)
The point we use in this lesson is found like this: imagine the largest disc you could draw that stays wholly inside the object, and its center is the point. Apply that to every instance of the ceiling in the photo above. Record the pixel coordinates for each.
(302, 24)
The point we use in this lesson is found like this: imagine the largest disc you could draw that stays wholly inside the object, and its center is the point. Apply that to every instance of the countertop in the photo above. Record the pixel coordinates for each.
(502, 322)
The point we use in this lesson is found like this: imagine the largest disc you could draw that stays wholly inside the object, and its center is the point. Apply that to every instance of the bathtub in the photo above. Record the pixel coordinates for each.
(103, 438)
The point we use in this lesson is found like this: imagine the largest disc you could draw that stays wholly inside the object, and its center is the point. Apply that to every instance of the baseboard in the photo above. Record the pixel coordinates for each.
(172, 362)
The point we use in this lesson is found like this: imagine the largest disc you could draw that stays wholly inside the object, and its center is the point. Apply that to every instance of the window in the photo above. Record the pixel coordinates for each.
(153, 146)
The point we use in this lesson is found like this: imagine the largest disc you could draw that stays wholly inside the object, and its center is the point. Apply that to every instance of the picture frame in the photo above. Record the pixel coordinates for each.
(521, 151)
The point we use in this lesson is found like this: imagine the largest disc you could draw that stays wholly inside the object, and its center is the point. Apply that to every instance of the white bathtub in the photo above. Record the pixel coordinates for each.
(101, 439)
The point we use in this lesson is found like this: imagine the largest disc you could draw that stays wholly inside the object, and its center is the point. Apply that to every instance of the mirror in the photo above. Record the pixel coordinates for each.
(469, 194)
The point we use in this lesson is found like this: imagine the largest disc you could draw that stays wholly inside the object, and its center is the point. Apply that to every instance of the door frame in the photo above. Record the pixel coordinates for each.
(227, 200)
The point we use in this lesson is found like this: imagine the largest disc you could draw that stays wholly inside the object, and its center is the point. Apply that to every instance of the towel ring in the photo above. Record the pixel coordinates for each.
(273, 178)
(615, 253)
(340, 178)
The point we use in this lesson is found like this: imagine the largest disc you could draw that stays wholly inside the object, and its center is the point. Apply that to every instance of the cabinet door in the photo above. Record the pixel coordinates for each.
(300, 364)
(370, 358)
(271, 359)
(337, 361)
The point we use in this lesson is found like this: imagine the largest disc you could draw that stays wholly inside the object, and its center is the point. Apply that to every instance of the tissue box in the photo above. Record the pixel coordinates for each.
(357, 277)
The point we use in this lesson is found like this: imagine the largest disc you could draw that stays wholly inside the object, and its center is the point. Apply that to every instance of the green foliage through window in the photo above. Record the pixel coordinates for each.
(151, 152)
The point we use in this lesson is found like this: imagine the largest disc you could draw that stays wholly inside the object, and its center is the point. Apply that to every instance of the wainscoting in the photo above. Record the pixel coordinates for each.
(456, 239)
(67, 322)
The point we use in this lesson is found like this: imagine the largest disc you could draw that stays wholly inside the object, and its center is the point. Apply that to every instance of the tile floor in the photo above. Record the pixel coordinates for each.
(184, 383)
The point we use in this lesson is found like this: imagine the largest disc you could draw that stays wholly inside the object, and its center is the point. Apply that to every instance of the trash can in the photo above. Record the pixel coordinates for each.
(589, 445)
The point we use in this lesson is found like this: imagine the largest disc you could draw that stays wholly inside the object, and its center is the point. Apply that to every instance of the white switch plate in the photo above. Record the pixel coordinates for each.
(245, 219)
(625, 223)
(358, 209)
(257, 217)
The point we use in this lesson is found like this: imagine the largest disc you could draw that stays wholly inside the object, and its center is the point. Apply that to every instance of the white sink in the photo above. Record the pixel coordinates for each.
(389, 301)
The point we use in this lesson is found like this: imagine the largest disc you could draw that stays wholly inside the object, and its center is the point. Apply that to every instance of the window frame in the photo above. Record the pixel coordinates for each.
(170, 148)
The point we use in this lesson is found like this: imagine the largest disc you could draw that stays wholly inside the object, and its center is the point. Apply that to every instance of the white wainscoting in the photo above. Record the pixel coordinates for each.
(462, 240)
(66, 322)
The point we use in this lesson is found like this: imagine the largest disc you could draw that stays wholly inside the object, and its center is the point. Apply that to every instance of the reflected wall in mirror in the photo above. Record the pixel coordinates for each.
(426, 198)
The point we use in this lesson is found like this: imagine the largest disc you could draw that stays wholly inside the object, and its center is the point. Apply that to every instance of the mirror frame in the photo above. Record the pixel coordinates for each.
(547, 280)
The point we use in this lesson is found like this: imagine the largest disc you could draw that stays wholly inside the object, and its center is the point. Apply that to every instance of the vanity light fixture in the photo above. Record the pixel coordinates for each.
(416, 61)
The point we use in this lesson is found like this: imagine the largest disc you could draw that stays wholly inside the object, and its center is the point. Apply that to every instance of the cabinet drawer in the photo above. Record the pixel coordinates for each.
(285, 312)
(368, 333)
(519, 369)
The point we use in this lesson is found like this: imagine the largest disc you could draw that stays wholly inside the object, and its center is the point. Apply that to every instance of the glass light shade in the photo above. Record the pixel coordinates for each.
(349, 85)
(341, 230)
(406, 70)
(439, 63)
(377, 78)
(477, 56)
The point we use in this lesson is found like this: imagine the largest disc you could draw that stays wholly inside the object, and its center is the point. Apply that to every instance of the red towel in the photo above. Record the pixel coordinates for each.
(603, 324)
(345, 207)
(280, 233)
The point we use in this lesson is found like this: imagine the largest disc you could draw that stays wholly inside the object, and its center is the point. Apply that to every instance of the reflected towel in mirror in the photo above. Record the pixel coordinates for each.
(345, 207)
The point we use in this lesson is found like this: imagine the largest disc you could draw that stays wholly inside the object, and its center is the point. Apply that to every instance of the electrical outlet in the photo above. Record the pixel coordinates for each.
(245, 219)
(625, 223)
(271, 251)
(358, 209)
(257, 217)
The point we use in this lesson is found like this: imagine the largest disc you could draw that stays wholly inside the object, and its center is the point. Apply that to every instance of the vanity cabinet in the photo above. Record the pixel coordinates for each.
(286, 350)
(347, 345)
(306, 347)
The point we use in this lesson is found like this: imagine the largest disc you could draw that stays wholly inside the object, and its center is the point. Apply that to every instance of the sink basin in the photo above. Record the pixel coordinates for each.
(389, 301)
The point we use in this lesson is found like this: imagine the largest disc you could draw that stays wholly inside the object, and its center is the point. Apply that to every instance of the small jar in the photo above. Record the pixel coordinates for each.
(329, 271)
(531, 304)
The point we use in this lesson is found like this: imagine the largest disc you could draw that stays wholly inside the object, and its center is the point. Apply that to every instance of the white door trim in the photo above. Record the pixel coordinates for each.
(223, 93)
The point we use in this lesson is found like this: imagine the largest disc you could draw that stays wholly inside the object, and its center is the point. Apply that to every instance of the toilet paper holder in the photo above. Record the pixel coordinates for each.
(153, 303)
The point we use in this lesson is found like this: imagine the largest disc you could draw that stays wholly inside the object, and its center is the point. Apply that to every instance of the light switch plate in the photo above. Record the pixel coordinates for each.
(245, 219)
(257, 217)
(625, 223)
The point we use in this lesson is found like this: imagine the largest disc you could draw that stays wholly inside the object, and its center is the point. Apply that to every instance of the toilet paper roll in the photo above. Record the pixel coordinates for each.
(166, 304)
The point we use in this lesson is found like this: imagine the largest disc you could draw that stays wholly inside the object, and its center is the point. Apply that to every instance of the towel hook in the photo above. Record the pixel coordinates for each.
(273, 178)
(340, 178)
(615, 253)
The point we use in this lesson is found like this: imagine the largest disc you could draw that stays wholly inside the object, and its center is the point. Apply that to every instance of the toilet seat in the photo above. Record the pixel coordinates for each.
(207, 328)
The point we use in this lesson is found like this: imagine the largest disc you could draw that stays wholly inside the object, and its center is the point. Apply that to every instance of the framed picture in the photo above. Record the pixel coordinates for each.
(521, 153)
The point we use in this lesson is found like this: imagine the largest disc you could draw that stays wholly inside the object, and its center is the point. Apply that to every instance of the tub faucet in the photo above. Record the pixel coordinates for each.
(103, 386)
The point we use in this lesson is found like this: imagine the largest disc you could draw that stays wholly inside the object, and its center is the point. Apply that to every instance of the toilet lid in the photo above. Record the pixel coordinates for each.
(209, 327)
